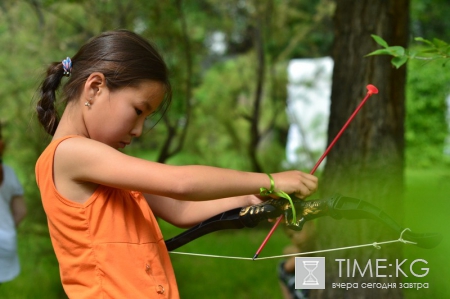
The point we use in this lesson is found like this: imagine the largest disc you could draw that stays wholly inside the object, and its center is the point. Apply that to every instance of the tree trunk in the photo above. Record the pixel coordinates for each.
(368, 160)
(255, 135)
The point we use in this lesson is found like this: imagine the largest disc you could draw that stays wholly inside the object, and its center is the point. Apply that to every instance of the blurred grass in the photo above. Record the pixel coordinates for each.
(427, 208)
(427, 203)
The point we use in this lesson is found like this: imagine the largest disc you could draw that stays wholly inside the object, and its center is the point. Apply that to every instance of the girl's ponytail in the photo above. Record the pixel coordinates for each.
(46, 108)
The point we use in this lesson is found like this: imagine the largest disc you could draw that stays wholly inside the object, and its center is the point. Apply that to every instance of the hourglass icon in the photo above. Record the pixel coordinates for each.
(310, 279)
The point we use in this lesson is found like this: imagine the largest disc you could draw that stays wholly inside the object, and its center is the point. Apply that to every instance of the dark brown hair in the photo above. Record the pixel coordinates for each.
(123, 57)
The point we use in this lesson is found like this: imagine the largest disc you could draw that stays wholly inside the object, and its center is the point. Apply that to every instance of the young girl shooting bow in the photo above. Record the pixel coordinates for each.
(101, 203)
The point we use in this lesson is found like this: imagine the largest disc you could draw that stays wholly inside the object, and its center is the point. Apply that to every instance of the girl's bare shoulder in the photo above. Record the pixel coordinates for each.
(87, 160)
(82, 155)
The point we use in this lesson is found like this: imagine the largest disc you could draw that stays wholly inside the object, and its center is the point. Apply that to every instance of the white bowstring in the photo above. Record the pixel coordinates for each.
(374, 244)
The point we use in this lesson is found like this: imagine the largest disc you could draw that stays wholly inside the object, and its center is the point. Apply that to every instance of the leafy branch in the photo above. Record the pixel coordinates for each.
(435, 49)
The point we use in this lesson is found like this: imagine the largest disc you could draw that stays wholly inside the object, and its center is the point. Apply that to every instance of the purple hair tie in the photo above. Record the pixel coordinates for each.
(67, 66)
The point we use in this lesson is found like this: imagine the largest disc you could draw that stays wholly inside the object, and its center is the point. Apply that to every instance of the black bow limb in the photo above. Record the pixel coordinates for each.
(337, 207)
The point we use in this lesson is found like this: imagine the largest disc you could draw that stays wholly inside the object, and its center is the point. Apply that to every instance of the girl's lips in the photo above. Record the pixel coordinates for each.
(123, 144)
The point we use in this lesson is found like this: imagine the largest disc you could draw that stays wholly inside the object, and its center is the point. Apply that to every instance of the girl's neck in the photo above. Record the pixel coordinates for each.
(71, 123)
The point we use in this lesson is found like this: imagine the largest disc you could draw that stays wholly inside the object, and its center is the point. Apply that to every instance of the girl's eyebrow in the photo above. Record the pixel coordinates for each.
(147, 105)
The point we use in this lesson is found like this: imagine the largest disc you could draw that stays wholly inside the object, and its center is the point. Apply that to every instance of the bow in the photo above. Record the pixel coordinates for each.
(337, 207)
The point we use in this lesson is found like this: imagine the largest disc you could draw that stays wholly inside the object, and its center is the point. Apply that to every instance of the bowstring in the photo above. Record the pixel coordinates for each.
(374, 244)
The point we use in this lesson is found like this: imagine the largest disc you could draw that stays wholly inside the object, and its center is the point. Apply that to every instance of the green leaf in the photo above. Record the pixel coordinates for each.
(411, 53)
(439, 43)
(421, 39)
(380, 52)
(396, 50)
(380, 41)
(399, 61)
(429, 51)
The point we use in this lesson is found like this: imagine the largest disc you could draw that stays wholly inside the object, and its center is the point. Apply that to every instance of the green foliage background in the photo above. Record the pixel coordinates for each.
(427, 129)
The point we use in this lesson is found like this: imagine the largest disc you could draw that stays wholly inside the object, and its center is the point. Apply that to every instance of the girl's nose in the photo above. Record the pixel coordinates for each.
(138, 128)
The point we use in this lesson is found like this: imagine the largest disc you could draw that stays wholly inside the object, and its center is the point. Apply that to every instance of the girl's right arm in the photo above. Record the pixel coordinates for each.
(85, 161)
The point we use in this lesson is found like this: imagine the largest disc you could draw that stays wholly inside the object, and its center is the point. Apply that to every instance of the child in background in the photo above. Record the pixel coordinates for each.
(101, 203)
(13, 210)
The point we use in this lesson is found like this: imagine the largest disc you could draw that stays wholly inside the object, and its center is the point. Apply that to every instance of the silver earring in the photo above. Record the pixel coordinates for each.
(88, 103)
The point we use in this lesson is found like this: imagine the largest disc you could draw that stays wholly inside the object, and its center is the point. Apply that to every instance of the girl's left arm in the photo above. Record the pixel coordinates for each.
(189, 213)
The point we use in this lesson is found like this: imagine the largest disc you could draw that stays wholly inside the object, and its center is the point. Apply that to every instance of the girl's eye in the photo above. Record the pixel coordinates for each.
(138, 111)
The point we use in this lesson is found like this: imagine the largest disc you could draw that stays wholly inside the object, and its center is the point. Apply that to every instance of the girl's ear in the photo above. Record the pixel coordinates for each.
(95, 84)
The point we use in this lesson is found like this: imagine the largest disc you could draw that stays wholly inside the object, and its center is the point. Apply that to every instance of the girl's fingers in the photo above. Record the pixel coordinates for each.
(311, 182)
(297, 182)
(303, 191)
(312, 186)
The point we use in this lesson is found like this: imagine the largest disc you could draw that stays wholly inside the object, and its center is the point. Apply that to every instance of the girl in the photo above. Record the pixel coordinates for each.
(100, 203)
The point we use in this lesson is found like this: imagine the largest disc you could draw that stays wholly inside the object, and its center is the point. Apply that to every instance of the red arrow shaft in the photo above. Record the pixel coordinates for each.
(370, 90)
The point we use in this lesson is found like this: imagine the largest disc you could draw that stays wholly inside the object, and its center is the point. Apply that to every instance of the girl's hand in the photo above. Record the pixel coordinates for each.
(296, 182)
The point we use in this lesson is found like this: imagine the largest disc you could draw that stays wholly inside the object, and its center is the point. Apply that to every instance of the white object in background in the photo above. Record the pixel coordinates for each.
(309, 91)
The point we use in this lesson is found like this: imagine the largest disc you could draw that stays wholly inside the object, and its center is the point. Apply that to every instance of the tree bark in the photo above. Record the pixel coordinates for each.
(368, 160)
(255, 135)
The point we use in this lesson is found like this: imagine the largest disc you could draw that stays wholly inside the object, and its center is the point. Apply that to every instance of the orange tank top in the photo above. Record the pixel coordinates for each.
(110, 246)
